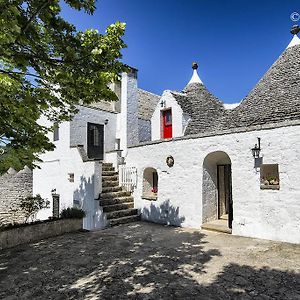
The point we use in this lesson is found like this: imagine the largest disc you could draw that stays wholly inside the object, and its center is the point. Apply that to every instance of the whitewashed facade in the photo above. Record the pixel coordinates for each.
(269, 214)
(70, 172)
(203, 138)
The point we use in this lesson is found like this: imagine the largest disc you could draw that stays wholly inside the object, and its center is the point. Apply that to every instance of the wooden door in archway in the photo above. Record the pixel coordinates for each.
(225, 205)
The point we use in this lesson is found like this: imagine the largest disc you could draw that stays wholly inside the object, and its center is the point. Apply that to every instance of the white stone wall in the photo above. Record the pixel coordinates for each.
(178, 122)
(53, 174)
(209, 194)
(14, 186)
(268, 214)
(128, 134)
(78, 127)
(132, 110)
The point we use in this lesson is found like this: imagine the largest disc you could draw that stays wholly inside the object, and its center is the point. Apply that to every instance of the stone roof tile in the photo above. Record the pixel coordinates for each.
(146, 104)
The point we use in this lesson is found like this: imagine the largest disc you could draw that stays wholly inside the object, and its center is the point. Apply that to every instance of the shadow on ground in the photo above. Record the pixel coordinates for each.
(137, 261)
(164, 213)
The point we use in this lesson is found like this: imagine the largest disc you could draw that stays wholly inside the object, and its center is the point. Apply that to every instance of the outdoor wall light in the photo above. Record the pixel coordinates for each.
(106, 121)
(256, 150)
(163, 103)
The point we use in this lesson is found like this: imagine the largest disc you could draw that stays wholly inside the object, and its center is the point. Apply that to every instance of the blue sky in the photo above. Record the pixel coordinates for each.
(233, 41)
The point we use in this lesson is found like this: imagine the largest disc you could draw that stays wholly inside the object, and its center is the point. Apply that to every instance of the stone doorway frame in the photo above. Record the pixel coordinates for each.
(211, 189)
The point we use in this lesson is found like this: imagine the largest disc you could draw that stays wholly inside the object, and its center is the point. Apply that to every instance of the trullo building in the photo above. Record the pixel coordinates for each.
(185, 158)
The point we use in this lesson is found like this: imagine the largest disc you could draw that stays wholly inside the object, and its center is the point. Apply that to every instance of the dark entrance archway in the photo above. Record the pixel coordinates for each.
(217, 204)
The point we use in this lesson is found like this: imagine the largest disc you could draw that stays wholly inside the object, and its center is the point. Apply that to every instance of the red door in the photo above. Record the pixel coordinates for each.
(167, 124)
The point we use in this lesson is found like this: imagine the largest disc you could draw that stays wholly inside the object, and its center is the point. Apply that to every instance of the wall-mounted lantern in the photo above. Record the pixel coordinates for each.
(256, 150)
(162, 103)
(106, 121)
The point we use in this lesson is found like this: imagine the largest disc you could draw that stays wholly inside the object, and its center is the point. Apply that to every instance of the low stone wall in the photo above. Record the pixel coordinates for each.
(13, 187)
(31, 233)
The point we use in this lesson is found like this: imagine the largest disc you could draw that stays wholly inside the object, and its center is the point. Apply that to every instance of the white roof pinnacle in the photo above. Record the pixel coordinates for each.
(295, 41)
(195, 78)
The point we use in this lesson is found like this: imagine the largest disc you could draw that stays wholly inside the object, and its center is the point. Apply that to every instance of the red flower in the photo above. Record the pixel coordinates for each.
(154, 190)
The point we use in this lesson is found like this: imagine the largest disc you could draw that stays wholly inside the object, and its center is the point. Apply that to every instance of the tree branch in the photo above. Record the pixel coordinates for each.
(43, 5)
(11, 75)
(20, 73)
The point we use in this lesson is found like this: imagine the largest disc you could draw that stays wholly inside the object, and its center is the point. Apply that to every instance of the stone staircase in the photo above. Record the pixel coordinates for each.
(117, 203)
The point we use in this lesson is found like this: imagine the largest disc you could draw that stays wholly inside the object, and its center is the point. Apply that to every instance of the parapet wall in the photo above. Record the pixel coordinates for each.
(13, 187)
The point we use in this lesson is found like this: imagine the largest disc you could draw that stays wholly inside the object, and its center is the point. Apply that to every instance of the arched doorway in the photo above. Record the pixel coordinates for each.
(217, 190)
(150, 183)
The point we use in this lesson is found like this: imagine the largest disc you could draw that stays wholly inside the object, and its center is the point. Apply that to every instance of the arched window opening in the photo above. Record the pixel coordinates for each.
(150, 184)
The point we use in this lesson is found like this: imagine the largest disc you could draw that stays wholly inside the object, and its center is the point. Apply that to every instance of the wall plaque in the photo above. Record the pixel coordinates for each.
(170, 161)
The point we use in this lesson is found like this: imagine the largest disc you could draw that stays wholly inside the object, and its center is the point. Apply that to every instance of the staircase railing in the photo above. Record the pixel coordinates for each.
(128, 177)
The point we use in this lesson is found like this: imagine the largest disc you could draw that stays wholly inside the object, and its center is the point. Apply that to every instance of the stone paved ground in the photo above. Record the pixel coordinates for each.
(147, 261)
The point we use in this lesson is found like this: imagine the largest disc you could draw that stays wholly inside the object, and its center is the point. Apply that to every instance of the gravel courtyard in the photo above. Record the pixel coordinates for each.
(148, 261)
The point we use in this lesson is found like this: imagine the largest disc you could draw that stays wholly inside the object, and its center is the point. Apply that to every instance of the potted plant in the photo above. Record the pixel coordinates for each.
(154, 191)
(270, 180)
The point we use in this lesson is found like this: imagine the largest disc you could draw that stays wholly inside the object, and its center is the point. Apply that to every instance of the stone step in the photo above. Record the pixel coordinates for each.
(106, 184)
(224, 217)
(214, 226)
(121, 213)
(109, 165)
(114, 195)
(115, 207)
(111, 189)
(108, 169)
(119, 221)
(109, 173)
(113, 201)
(110, 178)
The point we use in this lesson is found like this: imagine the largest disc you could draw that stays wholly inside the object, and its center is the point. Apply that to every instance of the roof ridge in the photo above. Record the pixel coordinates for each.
(140, 89)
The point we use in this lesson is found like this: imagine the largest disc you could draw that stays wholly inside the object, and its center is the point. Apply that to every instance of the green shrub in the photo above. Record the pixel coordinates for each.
(72, 213)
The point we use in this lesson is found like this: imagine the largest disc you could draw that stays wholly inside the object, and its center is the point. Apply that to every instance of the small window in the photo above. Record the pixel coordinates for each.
(168, 117)
(95, 141)
(269, 176)
(150, 184)
(71, 177)
(96, 136)
(56, 133)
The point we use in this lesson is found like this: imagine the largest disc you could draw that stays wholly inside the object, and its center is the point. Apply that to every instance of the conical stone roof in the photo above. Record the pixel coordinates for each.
(275, 98)
(199, 104)
(203, 108)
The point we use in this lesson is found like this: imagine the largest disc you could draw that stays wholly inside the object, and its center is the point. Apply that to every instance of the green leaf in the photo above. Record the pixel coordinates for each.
(47, 68)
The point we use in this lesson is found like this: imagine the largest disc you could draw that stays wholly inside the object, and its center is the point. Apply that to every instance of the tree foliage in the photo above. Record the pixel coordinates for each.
(30, 206)
(47, 67)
